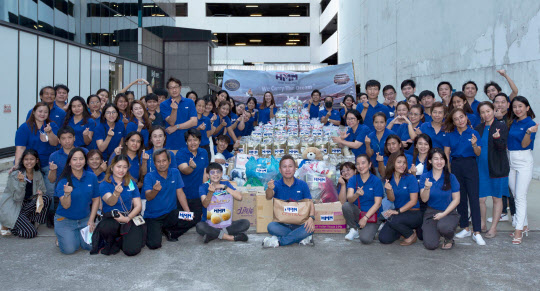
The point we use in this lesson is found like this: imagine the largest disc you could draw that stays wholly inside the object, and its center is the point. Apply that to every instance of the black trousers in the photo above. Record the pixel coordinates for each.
(401, 224)
(509, 201)
(24, 226)
(195, 206)
(155, 226)
(466, 172)
(434, 229)
(236, 227)
(130, 243)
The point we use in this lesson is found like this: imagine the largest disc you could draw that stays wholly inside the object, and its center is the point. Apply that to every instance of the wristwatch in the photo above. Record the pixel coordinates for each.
(312, 217)
(225, 188)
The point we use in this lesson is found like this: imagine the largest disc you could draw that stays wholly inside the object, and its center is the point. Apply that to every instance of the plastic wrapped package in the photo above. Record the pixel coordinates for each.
(266, 148)
(242, 149)
(293, 145)
(280, 147)
(320, 179)
(253, 146)
(306, 142)
(322, 145)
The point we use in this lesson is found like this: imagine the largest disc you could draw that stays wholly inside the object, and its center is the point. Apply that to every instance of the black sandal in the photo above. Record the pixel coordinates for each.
(446, 242)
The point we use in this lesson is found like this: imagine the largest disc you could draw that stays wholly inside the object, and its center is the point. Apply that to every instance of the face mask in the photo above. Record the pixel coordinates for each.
(328, 104)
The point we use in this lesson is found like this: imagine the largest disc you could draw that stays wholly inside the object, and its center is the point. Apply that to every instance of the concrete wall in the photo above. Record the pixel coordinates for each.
(430, 41)
(188, 61)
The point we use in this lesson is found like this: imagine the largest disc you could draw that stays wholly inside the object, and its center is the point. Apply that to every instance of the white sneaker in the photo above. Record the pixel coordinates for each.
(478, 239)
(514, 221)
(464, 233)
(504, 217)
(270, 242)
(490, 219)
(353, 234)
(381, 226)
(308, 241)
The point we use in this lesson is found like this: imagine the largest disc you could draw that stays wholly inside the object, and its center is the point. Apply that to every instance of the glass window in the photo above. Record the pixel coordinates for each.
(46, 16)
(258, 9)
(181, 9)
(28, 13)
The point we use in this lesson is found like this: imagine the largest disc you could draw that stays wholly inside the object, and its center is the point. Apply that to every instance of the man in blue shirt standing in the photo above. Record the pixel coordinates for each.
(373, 106)
(313, 104)
(179, 115)
(470, 89)
(289, 189)
(162, 189)
(48, 96)
(328, 115)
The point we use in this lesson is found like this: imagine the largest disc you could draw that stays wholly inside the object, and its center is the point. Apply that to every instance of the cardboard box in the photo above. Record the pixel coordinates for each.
(265, 212)
(245, 209)
(329, 218)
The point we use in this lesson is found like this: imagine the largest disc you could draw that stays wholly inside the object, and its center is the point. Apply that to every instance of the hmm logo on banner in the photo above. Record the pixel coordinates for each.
(286, 76)
(329, 217)
(290, 209)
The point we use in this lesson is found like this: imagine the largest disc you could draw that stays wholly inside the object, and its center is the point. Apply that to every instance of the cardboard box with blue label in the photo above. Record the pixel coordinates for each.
(329, 218)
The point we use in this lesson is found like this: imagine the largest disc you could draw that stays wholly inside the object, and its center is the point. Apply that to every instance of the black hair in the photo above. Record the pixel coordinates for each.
(201, 99)
(127, 178)
(466, 106)
(104, 111)
(129, 93)
(161, 151)
(373, 83)
(42, 91)
(348, 96)
(379, 114)
(64, 130)
(388, 87)
(67, 172)
(69, 112)
(512, 116)
(154, 128)
(151, 96)
(61, 86)
(356, 114)
(449, 122)
(427, 138)
(426, 93)
(391, 165)
(161, 92)
(316, 91)
(214, 166)
(408, 82)
(485, 103)
(467, 83)
(287, 157)
(252, 99)
(491, 83)
(446, 185)
(371, 168)
(194, 133)
(421, 108)
(34, 153)
(224, 138)
(392, 136)
(415, 97)
(90, 98)
(172, 79)
(192, 92)
(444, 83)
(503, 95)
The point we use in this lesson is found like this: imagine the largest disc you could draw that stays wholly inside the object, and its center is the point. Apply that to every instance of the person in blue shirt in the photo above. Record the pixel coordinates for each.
(157, 141)
(408, 87)
(389, 94)
(79, 119)
(461, 148)
(240, 124)
(121, 203)
(58, 159)
(56, 114)
(163, 189)
(521, 136)
(364, 198)
(444, 90)
(402, 189)
(204, 126)
(376, 139)
(402, 125)
(94, 107)
(222, 122)
(192, 162)
(121, 102)
(132, 148)
(426, 99)
(459, 100)
(416, 116)
(469, 90)
(289, 188)
(251, 109)
(97, 164)
(356, 135)
(139, 121)
(78, 191)
(61, 96)
(435, 128)
(313, 105)
(328, 115)
(211, 191)
(392, 145)
(373, 106)
(347, 105)
(268, 108)
(222, 142)
(110, 131)
(209, 108)
(152, 107)
(440, 190)
(179, 114)
(103, 95)
(346, 171)
(422, 146)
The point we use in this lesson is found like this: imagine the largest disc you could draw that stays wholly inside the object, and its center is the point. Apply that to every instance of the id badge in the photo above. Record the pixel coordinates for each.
(138, 220)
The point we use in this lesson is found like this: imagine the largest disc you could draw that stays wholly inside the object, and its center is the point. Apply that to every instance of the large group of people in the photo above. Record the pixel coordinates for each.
(128, 170)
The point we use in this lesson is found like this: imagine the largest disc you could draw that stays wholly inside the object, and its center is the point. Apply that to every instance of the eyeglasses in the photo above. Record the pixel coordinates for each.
(95, 102)
(174, 87)
(111, 113)
(215, 172)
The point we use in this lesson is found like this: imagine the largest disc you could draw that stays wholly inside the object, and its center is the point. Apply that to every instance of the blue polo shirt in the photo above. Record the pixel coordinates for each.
(204, 132)
(81, 198)
(475, 120)
(133, 126)
(438, 198)
(56, 114)
(79, 128)
(165, 200)
(438, 139)
(131, 191)
(298, 191)
(151, 167)
(101, 177)
(264, 114)
(194, 180)
(334, 115)
(223, 130)
(92, 145)
(391, 110)
(313, 110)
(343, 111)
(158, 120)
(460, 144)
(134, 165)
(474, 107)
(31, 140)
(368, 121)
(250, 125)
(378, 145)
(203, 191)
(185, 111)
(402, 190)
(60, 159)
(101, 134)
(410, 150)
(402, 130)
(372, 188)
(516, 133)
(358, 135)
(427, 118)
(225, 153)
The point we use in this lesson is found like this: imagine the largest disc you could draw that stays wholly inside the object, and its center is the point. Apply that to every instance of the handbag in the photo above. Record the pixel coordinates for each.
(296, 212)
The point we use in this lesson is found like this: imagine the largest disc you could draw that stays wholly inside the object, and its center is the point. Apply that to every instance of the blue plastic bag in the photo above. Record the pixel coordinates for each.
(263, 169)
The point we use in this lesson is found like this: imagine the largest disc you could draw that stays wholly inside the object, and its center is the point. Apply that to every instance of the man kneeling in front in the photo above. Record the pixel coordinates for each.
(292, 190)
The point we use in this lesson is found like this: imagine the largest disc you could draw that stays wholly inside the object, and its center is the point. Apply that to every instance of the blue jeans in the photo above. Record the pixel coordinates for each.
(50, 186)
(288, 234)
(68, 232)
